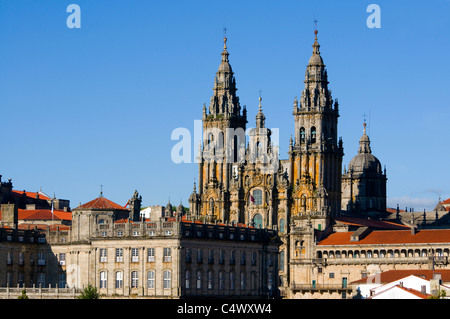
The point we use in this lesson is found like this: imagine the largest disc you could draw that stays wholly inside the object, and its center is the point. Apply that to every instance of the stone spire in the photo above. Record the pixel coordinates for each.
(224, 100)
(316, 93)
(260, 118)
(364, 143)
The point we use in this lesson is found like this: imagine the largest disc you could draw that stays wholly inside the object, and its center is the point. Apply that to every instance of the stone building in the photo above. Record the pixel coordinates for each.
(123, 255)
(244, 181)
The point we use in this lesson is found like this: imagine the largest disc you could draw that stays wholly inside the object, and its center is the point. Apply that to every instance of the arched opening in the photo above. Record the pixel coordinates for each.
(256, 197)
(302, 135)
(313, 134)
(257, 221)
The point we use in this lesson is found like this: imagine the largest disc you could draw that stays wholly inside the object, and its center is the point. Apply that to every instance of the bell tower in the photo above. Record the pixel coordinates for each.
(317, 153)
(224, 124)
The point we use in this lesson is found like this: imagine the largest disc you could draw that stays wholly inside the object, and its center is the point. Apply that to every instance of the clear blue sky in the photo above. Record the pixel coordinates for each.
(97, 105)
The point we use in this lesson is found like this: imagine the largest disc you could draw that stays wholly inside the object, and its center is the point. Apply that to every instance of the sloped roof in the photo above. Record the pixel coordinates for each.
(414, 292)
(390, 237)
(30, 194)
(380, 224)
(42, 214)
(393, 275)
(101, 203)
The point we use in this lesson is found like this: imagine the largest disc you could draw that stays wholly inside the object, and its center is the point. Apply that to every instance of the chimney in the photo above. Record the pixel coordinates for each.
(10, 215)
(413, 230)
(423, 289)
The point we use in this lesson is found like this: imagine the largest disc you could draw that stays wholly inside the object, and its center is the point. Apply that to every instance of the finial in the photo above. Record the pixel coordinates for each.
(101, 190)
(315, 28)
(260, 99)
(224, 38)
(364, 124)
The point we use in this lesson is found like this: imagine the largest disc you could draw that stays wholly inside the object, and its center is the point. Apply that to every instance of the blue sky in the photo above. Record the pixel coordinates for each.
(97, 105)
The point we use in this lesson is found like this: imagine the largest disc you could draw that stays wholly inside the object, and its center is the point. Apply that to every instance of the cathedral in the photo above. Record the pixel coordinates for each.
(242, 181)
(245, 181)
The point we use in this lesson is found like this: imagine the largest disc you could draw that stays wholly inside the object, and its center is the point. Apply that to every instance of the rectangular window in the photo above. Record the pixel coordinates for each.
(243, 258)
(62, 258)
(41, 280)
(211, 256)
(41, 259)
(167, 255)
(119, 255)
(151, 255)
(134, 255)
(199, 255)
(103, 255)
(188, 255)
(62, 280)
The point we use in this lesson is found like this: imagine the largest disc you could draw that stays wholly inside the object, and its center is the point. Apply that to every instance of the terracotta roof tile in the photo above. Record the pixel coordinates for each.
(390, 237)
(42, 214)
(393, 275)
(101, 203)
(30, 194)
(371, 223)
(409, 290)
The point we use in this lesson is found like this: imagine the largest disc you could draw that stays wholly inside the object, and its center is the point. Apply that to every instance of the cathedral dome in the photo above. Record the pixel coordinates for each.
(364, 161)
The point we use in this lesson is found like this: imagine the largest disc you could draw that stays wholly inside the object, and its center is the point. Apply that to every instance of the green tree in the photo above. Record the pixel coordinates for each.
(23, 295)
(90, 292)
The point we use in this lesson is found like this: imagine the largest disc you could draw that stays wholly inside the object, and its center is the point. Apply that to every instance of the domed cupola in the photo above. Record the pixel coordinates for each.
(364, 183)
(364, 161)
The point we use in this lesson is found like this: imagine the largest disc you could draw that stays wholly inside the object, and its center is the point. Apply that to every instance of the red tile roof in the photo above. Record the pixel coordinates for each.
(42, 214)
(393, 275)
(371, 223)
(390, 237)
(101, 203)
(30, 194)
(409, 290)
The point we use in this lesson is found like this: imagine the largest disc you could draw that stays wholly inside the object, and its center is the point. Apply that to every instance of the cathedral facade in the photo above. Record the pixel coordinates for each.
(244, 181)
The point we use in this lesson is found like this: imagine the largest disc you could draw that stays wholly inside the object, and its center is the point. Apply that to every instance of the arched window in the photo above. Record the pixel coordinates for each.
(313, 134)
(103, 279)
(134, 279)
(188, 279)
(119, 279)
(302, 135)
(257, 197)
(199, 279)
(167, 279)
(210, 279)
